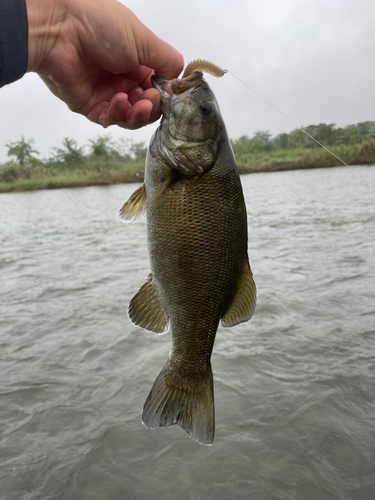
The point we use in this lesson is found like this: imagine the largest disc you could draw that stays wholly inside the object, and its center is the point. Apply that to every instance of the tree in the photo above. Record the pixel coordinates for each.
(280, 141)
(323, 133)
(130, 150)
(22, 150)
(262, 141)
(138, 150)
(242, 145)
(102, 146)
(70, 153)
(365, 128)
(296, 139)
(346, 135)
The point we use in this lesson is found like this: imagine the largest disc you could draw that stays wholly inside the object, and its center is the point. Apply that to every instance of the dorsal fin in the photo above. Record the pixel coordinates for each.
(243, 304)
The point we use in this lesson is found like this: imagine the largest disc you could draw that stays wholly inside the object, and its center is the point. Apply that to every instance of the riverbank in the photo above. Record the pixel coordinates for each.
(69, 181)
(105, 172)
(304, 158)
(87, 173)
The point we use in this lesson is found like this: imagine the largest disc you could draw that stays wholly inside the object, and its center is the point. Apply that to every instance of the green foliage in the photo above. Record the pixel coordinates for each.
(22, 150)
(242, 145)
(70, 153)
(109, 162)
(281, 141)
(127, 149)
(9, 173)
(260, 142)
(367, 150)
(328, 135)
(101, 146)
(325, 134)
(138, 150)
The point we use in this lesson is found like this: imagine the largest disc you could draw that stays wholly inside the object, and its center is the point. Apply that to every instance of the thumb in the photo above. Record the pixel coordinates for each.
(158, 55)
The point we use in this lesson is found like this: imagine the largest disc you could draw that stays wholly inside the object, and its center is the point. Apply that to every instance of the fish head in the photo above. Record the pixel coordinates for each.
(189, 106)
(189, 133)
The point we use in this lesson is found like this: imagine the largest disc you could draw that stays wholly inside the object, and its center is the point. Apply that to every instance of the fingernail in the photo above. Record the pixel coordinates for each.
(103, 120)
(144, 116)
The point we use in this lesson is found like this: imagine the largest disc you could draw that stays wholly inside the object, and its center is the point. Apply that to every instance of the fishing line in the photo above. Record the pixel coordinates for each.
(287, 117)
(214, 70)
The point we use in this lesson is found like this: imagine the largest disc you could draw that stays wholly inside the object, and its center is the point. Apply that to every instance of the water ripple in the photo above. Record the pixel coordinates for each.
(294, 388)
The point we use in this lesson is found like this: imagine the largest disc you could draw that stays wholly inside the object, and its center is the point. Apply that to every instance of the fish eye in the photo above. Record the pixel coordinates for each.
(205, 108)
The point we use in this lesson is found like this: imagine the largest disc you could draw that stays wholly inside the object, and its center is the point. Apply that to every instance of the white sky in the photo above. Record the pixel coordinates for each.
(312, 59)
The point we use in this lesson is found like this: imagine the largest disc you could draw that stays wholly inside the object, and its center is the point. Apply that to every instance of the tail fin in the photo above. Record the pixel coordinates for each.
(188, 403)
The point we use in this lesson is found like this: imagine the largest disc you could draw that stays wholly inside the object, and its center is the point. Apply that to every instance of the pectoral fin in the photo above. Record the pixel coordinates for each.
(145, 309)
(160, 189)
(243, 304)
(135, 208)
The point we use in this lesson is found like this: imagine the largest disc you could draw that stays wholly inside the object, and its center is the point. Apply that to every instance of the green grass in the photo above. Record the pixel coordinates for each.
(89, 173)
(306, 158)
(93, 172)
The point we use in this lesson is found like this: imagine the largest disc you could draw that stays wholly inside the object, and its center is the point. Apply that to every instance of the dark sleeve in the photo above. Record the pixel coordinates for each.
(13, 40)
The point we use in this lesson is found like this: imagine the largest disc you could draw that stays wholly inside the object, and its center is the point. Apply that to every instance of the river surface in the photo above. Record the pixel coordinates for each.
(294, 387)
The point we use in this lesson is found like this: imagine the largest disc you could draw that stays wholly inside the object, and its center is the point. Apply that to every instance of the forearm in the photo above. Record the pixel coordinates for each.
(13, 40)
(28, 31)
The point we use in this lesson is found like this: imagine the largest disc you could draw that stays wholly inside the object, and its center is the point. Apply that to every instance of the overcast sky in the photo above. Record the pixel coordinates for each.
(312, 59)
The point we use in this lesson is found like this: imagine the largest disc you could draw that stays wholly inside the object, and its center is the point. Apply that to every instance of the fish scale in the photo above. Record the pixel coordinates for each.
(197, 243)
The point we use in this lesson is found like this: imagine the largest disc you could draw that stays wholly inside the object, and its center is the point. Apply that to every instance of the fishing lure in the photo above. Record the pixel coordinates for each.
(214, 70)
(205, 66)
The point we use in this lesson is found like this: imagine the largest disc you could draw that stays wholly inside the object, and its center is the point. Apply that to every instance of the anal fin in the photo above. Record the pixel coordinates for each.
(146, 311)
(243, 304)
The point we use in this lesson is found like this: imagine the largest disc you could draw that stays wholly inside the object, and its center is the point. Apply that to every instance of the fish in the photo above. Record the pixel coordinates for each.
(198, 249)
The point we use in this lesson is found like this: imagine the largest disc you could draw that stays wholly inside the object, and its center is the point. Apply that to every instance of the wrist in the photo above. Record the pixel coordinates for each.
(45, 18)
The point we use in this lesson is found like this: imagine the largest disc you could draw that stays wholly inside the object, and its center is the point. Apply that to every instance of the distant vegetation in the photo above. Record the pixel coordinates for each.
(354, 144)
(105, 161)
(101, 161)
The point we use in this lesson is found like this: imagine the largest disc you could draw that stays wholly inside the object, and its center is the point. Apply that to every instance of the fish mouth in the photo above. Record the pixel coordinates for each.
(176, 86)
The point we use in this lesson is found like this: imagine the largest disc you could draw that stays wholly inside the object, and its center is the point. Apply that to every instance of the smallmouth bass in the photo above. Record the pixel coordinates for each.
(197, 243)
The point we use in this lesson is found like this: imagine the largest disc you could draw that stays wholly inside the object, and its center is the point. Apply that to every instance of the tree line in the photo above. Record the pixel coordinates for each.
(328, 135)
(104, 148)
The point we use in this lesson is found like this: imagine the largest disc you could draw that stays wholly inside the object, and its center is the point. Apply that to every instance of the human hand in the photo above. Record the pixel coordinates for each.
(98, 58)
